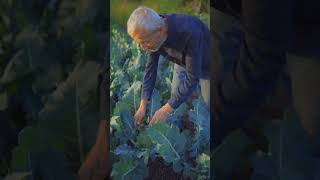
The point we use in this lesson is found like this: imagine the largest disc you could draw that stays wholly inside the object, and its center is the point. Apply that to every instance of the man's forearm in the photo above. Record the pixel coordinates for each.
(184, 91)
(144, 102)
(150, 76)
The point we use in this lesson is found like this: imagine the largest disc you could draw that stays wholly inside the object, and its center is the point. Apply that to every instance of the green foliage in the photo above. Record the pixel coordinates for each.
(127, 126)
(30, 140)
(129, 170)
(132, 95)
(170, 143)
(200, 117)
(121, 9)
(54, 51)
(33, 153)
(71, 110)
(203, 166)
(143, 140)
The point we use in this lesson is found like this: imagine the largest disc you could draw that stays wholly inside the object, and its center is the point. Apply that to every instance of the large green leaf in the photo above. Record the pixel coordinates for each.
(170, 143)
(200, 116)
(30, 140)
(176, 118)
(128, 169)
(82, 84)
(132, 95)
(128, 130)
(125, 150)
(72, 110)
(120, 107)
(143, 140)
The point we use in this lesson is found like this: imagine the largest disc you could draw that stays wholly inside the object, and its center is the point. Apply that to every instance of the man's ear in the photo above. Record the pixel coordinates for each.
(164, 28)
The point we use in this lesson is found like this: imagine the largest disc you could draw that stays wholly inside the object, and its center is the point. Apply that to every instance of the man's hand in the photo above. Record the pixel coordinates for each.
(141, 112)
(162, 114)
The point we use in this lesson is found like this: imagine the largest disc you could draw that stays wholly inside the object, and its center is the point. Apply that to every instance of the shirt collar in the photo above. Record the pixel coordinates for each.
(169, 30)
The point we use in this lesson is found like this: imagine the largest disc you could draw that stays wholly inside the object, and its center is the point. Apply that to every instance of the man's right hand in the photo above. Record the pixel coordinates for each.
(141, 112)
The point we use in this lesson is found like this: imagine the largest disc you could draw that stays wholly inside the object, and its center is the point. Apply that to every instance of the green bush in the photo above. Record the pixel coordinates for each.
(121, 9)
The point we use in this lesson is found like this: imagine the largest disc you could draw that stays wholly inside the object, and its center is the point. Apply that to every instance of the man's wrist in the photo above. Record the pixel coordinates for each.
(169, 108)
(144, 103)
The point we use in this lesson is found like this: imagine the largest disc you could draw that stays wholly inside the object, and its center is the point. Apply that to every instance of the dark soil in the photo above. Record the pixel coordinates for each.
(157, 168)
(159, 171)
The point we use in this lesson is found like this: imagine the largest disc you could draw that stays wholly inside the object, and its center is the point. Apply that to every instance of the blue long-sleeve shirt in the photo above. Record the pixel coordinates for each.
(187, 44)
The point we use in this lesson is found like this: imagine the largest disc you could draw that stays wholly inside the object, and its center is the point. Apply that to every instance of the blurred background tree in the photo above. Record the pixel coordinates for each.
(51, 58)
(121, 9)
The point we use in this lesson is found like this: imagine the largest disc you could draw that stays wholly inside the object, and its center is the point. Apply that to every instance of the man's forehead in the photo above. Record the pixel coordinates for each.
(140, 33)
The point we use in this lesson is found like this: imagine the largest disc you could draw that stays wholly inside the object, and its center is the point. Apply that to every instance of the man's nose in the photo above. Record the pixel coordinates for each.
(144, 46)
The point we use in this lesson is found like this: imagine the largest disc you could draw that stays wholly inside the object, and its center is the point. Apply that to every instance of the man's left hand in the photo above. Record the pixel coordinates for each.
(162, 114)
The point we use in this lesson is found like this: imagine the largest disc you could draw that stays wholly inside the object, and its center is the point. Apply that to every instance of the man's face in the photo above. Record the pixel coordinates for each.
(149, 41)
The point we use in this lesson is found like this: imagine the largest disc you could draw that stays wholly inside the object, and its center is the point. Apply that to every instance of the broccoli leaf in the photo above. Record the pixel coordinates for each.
(128, 169)
(200, 116)
(170, 143)
(128, 129)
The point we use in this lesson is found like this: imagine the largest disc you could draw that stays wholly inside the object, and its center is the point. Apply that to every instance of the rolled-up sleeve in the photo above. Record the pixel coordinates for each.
(150, 75)
(193, 70)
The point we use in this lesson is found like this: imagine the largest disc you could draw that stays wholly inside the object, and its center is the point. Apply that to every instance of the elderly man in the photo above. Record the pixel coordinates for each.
(180, 38)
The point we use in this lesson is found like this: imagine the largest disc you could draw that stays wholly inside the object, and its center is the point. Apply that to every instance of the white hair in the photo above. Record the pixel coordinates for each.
(145, 18)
